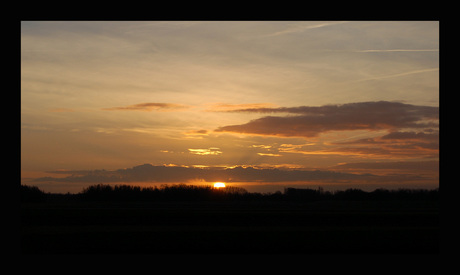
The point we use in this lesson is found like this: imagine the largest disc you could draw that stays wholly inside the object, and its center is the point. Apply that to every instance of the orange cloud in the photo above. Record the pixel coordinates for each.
(205, 152)
(148, 107)
(269, 154)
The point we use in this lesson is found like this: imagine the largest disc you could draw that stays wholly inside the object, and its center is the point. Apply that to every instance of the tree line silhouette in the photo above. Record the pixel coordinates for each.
(182, 192)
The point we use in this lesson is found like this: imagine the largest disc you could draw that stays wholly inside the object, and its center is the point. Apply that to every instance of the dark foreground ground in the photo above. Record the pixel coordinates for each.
(330, 227)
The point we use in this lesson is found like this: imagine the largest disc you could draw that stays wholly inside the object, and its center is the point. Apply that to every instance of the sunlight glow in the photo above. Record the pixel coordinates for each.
(219, 185)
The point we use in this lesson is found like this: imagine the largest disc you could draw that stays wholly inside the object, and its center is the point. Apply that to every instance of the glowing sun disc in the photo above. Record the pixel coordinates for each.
(219, 184)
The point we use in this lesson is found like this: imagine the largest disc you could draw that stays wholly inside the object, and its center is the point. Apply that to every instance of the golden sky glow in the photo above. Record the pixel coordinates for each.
(337, 97)
(219, 185)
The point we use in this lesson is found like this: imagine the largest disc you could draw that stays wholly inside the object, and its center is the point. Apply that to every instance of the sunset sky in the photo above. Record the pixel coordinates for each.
(258, 104)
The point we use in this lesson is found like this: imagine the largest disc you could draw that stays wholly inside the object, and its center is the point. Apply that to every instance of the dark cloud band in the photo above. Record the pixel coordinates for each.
(306, 121)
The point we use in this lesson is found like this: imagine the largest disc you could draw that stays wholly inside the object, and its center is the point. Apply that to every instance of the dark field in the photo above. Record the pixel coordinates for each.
(214, 227)
(283, 226)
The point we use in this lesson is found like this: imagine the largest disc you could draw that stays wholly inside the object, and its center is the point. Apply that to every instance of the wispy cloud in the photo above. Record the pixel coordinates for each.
(295, 28)
(397, 50)
(148, 107)
(398, 74)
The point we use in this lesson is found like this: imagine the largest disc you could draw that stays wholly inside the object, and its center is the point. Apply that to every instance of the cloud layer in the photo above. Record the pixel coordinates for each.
(176, 174)
(307, 121)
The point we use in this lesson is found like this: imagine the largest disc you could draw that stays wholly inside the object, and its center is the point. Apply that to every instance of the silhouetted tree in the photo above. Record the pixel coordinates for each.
(183, 192)
(302, 194)
(98, 192)
(32, 194)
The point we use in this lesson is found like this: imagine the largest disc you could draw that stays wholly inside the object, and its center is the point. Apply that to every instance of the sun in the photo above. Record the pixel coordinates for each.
(219, 185)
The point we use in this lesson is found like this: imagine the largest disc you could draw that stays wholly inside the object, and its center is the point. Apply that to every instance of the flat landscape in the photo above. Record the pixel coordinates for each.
(230, 227)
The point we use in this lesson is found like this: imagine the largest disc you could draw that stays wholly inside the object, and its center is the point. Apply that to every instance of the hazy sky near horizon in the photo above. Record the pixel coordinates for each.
(351, 96)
